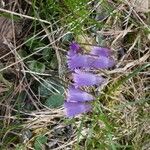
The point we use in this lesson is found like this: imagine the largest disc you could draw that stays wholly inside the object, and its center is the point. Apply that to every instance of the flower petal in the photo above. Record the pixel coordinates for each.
(74, 108)
(86, 79)
(74, 46)
(80, 61)
(101, 51)
(103, 62)
(74, 49)
(78, 95)
(86, 61)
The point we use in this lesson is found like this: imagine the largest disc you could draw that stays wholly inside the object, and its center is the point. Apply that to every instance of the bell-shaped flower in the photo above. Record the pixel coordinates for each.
(87, 61)
(86, 79)
(75, 108)
(77, 95)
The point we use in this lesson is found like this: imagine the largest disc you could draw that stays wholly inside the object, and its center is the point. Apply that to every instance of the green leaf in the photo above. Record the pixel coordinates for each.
(49, 87)
(68, 37)
(34, 43)
(54, 62)
(47, 54)
(100, 40)
(54, 101)
(39, 142)
(20, 147)
(45, 89)
(36, 66)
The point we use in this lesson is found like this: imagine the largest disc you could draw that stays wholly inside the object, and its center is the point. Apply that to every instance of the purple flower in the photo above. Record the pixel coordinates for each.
(79, 61)
(87, 61)
(98, 58)
(101, 51)
(77, 95)
(74, 49)
(74, 108)
(102, 62)
(86, 79)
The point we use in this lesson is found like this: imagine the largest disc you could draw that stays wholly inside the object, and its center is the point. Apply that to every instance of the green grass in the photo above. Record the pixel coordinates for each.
(29, 116)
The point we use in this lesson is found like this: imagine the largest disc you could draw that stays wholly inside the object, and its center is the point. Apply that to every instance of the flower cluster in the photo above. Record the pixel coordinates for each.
(77, 101)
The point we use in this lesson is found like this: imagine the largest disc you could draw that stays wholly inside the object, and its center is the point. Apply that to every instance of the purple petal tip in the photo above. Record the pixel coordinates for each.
(103, 62)
(77, 95)
(86, 79)
(101, 51)
(75, 108)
